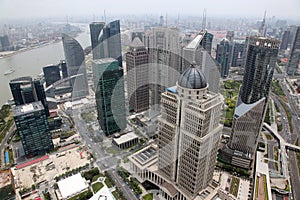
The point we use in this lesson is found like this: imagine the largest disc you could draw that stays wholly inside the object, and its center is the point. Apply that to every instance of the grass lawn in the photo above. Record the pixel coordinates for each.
(234, 186)
(268, 136)
(107, 182)
(95, 178)
(148, 196)
(115, 194)
(81, 195)
(112, 150)
(97, 186)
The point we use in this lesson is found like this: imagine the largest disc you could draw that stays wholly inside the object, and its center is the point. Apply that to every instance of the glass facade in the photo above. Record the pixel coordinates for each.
(25, 90)
(32, 125)
(109, 93)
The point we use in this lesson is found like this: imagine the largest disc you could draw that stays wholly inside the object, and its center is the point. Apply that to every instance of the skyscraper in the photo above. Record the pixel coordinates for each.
(64, 69)
(224, 50)
(164, 62)
(76, 66)
(285, 40)
(252, 102)
(32, 126)
(237, 54)
(137, 76)
(110, 41)
(195, 53)
(189, 132)
(51, 74)
(294, 59)
(95, 29)
(25, 90)
(109, 94)
(260, 63)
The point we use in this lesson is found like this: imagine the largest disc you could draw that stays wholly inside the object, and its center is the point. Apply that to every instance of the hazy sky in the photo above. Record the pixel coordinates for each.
(288, 9)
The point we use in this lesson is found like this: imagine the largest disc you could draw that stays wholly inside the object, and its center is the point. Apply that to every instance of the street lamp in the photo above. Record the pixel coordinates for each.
(102, 196)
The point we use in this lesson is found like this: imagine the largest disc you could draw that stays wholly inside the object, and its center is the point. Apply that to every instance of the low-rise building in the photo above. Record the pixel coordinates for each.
(125, 141)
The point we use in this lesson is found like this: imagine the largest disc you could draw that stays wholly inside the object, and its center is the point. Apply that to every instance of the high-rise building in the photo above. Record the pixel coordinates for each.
(252, 102)
(237, 54)
(137, 76)
(110, 41)
(259, 68)
(189, 133)
(32, 125)
(294, 59)
(230, 35)
(51, 74)
(109, 94)
(64, 69)
(5, 44)
(206, 40)
(223, 56)
(195, 53)
(285, 40)
(164, 62)
(25, 90)
(75, 60)
(95, 29)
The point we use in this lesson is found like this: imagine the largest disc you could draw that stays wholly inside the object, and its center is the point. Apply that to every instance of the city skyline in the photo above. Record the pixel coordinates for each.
(230, 8)
(178, 108)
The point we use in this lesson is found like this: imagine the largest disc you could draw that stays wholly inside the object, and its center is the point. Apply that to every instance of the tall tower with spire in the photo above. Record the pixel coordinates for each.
(262, 29)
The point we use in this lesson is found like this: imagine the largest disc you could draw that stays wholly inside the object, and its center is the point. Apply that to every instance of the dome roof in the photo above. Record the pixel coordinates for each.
(192, 78)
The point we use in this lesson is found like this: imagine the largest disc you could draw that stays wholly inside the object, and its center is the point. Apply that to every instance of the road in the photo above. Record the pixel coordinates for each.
(4, 141)
(127, 192)
(293, 169)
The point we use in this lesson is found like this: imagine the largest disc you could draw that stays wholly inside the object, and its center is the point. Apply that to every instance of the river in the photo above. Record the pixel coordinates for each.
(31, 62)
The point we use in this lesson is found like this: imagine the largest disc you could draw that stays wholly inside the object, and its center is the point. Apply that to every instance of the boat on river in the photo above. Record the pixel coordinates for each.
(10, 71)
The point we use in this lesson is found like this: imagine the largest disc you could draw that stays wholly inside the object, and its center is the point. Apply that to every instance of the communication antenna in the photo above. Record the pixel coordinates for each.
(204, 19)
(104, 16)
(178, 19)
(166, 20)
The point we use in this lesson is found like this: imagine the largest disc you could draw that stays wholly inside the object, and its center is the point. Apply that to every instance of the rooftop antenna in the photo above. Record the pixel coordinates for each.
(104, 16)
(204, 19)
(262, 28)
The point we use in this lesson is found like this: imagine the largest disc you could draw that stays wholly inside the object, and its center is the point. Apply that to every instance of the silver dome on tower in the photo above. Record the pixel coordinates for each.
(192, 78)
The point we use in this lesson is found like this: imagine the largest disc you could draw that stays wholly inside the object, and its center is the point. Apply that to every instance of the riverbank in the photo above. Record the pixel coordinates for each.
(12, 53)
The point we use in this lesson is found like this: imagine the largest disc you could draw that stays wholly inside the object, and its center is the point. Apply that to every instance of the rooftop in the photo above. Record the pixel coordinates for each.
(146, 154)
(125, 138)
(71, 185)
(192, 78)
(27, 108)
(104, 60)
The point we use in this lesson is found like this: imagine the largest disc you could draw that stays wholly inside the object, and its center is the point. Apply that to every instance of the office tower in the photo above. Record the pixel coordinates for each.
(285, 40)
(5, 44)
(95, 29)
(259, 68)
(137, 76)
(32, 126)
(51, 74)
(223, 56)
(206, 40)
(110, 41)
(188, 133)
(237, 54)
(195, 53)
(76, 66)
(252, 102)
(164, 62)
(109, 94)
(64, 69)
(161, 21)
(138, 34)
(230, 36)
(294, 59)
(25, 90)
